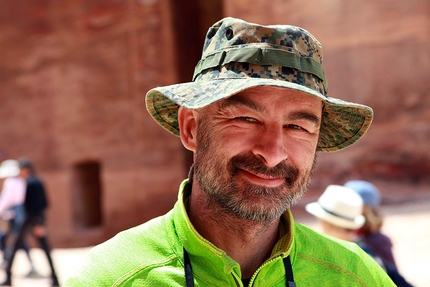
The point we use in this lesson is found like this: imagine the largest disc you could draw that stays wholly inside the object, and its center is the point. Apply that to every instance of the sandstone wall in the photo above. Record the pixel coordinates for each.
(73, 76)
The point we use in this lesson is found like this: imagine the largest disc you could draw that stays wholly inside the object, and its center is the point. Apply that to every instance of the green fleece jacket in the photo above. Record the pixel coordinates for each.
(152, 255)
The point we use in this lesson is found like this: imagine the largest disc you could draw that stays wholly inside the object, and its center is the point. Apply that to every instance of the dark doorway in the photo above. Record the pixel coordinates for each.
(191, 20)
(87, 195)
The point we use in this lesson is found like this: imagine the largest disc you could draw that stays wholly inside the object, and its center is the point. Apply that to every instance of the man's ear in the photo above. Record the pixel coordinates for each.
(187, 128)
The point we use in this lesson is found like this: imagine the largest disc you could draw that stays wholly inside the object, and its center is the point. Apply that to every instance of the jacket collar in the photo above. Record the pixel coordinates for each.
(207, 256)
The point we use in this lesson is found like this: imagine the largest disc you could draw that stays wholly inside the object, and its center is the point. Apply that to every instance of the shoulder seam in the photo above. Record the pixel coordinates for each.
(124, 279)
(341, 269)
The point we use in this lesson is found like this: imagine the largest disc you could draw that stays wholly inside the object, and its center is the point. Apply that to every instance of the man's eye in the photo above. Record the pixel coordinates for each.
(296, 127)
(247, 119)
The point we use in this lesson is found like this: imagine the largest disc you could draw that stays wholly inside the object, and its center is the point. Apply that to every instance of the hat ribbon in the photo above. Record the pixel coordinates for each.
(336, 214)
(262, 56)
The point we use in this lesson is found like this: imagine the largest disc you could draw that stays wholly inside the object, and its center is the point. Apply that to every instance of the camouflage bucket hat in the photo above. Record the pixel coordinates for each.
(238, 55)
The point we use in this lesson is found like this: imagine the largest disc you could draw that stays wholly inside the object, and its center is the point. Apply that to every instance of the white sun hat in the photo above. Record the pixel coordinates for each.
(340, 206)
(9, 168)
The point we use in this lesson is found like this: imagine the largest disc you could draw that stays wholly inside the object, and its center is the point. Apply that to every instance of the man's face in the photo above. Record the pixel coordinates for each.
(256, 151)
(23, 172)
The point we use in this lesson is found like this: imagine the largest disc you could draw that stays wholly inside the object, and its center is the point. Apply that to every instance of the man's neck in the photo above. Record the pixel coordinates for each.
(249, 243)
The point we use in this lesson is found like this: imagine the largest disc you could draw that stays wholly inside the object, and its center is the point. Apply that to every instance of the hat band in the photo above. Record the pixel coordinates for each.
(236, 70)
(337, 214)
(264, 57)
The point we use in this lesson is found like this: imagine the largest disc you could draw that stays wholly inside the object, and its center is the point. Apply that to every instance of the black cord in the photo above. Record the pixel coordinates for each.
(189, 279)
(289, 272)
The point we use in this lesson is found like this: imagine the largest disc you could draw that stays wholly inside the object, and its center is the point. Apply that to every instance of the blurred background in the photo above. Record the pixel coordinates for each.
(74, 74)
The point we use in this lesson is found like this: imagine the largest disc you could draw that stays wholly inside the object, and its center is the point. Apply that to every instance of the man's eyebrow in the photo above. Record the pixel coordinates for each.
(305, 115)
(240, 101)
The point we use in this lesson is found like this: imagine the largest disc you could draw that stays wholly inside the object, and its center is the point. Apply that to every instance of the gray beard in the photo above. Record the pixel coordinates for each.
(227, 194)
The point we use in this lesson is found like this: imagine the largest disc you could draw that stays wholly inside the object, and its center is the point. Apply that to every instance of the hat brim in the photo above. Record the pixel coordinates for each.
(8, 172)
(316, 210)
(343, 123)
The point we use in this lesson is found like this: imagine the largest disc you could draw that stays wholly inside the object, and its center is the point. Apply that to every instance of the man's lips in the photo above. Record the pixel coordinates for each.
(261, 179)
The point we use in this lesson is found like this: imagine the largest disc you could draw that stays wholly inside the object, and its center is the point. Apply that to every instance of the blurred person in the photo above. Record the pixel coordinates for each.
(254, 116)
(371, 232)
(12, 208)
(35, 204)
(339, 212)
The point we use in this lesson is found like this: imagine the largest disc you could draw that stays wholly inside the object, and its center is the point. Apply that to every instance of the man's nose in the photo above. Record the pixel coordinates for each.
(270, 146)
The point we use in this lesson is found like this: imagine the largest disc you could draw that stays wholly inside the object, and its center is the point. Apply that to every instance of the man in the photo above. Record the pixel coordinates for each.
(35, 204)
(254, 117)
(371, 232)
(339, 212)
(12, 208)
(370, 236)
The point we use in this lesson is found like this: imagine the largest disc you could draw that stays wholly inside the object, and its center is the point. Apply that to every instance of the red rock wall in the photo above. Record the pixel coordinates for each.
(73, 76)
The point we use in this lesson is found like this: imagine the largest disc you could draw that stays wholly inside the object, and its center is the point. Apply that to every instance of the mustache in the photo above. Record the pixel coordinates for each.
(255, 165)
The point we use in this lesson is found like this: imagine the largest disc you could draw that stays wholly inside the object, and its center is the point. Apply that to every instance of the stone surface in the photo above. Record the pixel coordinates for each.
(73, 78)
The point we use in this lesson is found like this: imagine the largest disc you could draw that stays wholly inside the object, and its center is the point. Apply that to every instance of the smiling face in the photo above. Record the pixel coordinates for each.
(254, 151)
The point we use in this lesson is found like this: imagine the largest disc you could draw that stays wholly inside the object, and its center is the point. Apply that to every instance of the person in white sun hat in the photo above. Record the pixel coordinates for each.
(339, 211)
